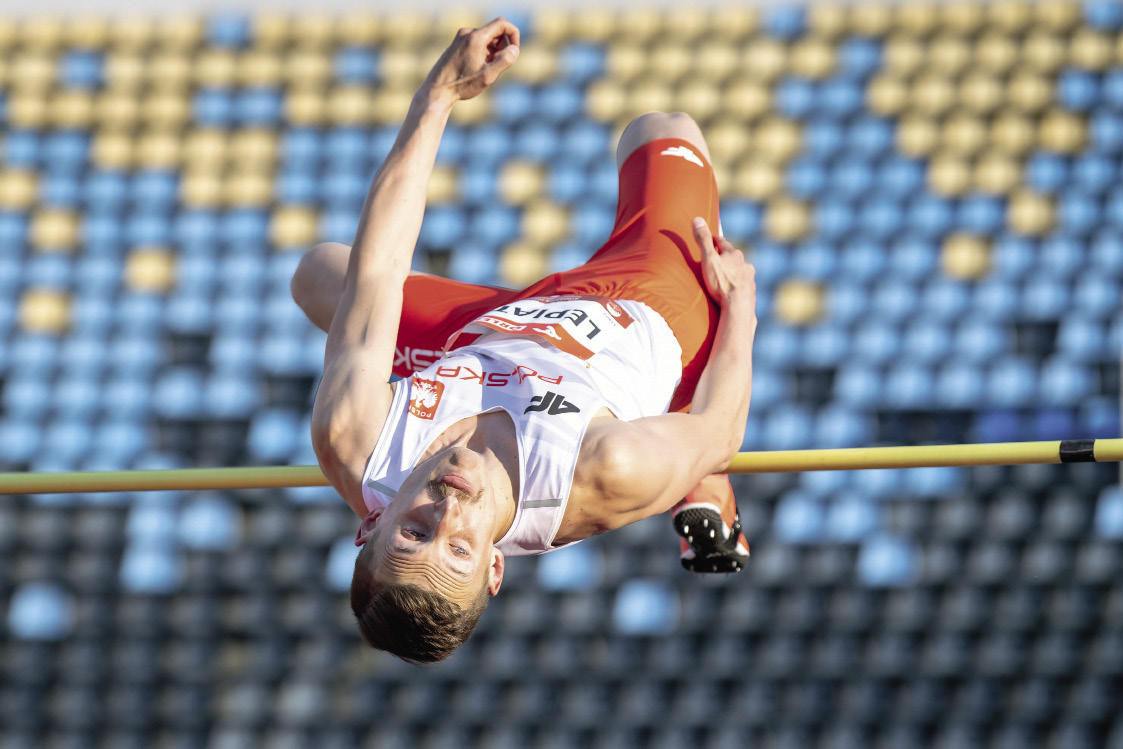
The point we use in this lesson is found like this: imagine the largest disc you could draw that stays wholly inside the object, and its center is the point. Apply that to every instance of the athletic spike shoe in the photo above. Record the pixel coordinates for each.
(710, 543)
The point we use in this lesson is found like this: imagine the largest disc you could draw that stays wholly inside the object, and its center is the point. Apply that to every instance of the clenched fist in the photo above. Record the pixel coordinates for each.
(474, 61)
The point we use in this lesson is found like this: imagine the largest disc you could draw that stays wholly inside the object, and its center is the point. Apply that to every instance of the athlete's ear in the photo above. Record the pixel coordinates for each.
(495, 572)
(367, 526)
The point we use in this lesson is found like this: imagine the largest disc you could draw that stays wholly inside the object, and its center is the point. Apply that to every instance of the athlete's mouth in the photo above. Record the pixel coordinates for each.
(457, 482)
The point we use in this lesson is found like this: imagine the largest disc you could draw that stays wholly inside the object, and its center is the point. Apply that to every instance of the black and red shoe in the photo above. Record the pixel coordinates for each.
(710, 527)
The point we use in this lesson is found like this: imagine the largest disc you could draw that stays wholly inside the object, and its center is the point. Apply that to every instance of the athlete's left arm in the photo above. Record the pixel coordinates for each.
(647, 465)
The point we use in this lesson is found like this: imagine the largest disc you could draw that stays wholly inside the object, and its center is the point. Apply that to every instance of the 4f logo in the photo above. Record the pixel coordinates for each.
(551, 403)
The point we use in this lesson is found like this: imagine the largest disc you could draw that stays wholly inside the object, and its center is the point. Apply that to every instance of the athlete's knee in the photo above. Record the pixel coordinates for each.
(309, 276)
(655, 125)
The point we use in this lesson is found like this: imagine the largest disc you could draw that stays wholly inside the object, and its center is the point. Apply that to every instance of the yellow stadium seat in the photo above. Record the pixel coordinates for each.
(445, 24)
(813, 58)
(904, 55)
(1043, 52)
(1119, 51)
(685, 22)
(996, 53)
(176, 32)
(1008, 16)
(206, 149)
(964, 134)
(1029, 92)
(472, 112)
(757, 180)
(871, 18)
(917, 135)
(537, 64)
(399, 64)
(916, 19)
(44, 311)
(161, 149)
(787, 220)
(261, 67)
(639, 24)
(131, 33)
(604, 101)
(305, 106)
(714, 62)
(827, 20)
(54, 229)
(551, 24)
(8, 31)
(799, 302)
(294, 226)
(887, 94)
(962, 17)
(253, 149)
(406, 26)
(1063, 132)
(776, 140)
(763, 59)
(18, 189)
(698, 97)
(248, 189)
(520, 182)
(728, 140)
(124, 70)
(948, 55)
(169, 71)
(86, 32)
(41, 32)
(28, 110)
(216, 68)
(649, 94)
(150, 270)
(1030, 214)
(201, 189)
(308, 68)
(521, 265)
(732, 22)
(390, 105)
(626, 61)
(443, 185)
(965, 257)
(71, 109)
(723, 175)
(670, 62)
(747, 100)
(933, 95)
(113, 150)
(1056, 15)
(996, 174)
(597, 23)
(544, 223)
(170, 109)
(313, 30)
(949, 175)
(1013, 134)
(271, 29)
(32, 71)
(981, 92)
(358, 28)
(1091, 50)
(351, 105)
(5, 71)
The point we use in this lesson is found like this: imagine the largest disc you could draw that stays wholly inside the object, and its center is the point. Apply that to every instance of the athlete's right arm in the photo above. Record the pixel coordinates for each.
(354, 395)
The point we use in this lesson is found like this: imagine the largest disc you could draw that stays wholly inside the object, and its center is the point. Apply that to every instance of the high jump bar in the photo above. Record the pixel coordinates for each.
(773, 461)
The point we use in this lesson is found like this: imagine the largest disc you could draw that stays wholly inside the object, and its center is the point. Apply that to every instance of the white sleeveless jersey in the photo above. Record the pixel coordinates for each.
(550, 396)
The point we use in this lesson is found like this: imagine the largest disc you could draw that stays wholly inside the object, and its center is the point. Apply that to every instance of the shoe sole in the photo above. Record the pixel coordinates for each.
(700, 526)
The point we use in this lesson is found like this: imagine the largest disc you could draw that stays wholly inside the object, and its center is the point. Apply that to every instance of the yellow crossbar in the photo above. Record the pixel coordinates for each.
(780, 461)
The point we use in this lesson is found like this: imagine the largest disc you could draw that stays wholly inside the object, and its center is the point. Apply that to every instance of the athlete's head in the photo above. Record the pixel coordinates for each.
(429, 565)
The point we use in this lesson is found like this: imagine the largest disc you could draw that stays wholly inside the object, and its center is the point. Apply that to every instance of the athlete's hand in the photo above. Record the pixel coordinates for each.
(474, 60)
(728, 277)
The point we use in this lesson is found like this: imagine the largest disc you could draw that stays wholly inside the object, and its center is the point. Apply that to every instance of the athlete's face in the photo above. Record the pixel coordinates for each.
(438, 531)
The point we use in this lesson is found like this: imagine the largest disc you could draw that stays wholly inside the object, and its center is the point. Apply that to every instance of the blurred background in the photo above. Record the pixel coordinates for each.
(930, 194)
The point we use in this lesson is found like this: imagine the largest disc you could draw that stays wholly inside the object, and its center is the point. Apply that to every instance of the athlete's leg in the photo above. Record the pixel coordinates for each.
(433, 309)
(656, 125)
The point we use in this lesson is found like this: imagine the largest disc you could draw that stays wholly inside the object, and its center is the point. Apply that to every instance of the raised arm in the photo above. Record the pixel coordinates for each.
(354, 394)
(651, 463)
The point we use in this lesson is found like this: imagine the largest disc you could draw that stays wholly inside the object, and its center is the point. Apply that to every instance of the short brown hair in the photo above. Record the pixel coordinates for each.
(406, 620)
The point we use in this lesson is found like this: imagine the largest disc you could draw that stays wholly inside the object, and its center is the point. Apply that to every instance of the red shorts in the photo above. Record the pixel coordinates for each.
(651, 257)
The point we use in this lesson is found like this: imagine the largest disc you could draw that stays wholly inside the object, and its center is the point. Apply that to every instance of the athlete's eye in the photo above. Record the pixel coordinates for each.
(460, 550)
(413, 533)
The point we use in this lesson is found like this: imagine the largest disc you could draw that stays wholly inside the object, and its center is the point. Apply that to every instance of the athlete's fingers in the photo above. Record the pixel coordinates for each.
(499, 27)
(702, 235)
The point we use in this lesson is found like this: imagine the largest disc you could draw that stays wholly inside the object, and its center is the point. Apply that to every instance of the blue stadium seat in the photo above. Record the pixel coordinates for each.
(118, 442)
(584, 142)
(929, 215)
(49, 270)
(59, 191)
(1012, 381)
(858, 382)
(209, 522)
(871, 138)
(347, 149)
(81, 69)
(926, 342)
(575, 568)
(242, 274)
(794, 97)
(1078, 213)
(70, 438)
(959, 384)
(888, 561)
(77, 394)
(565, 181)
(826, 344)
(603, 182)
(581, 61)
(913, 258)
(980, 214)
(776, 346)
(245, 228)
(1105, 15)
(784, 22)
(851, 519)
(91, 315)
(197, 231)
(1093, 174)
(21, 148)
(41, 611)
(228, 30)
(645, 607)
(273, 434)
(154, 190)
(34, 355)
(842, 426)
(302, 146)
(535, 141)
(1105, 130)
(127, 395)
(934, 482)
(189, 312)
(1043, 298)
(178, 393)
(150, 570)
(944, 299)
(139, 312)
(104, 190)
(443, 226)
(849, 178)
(824, 484)
(1096, 295)
(995, 300)
(805, 178)
(231, 396)
(840, 98)
(899, 176)
(880, 216)
(1100, 418)
(823, 138)
(259, 107)
(1109, 513)
(150, 228)
(863, 259)
(1111, 89)
(477, 183)
(834, 217)
(231, 351)
(95, 274)
(357, 64)
(739, 220)
(213, 107)
(846, 303)
(858, 57)
(770, 383)
(339, 225)
(298, 185)
(513, 102)
(592, 222)
(281, 353)
(908, 385)
(65, 151)
(1079, 90)
(814, 261)
(788, 426)
(799, 518)
(559, 102)
(568, 255)
(896, 302)
(137, 355)
(1064, 381)
(344, 190)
